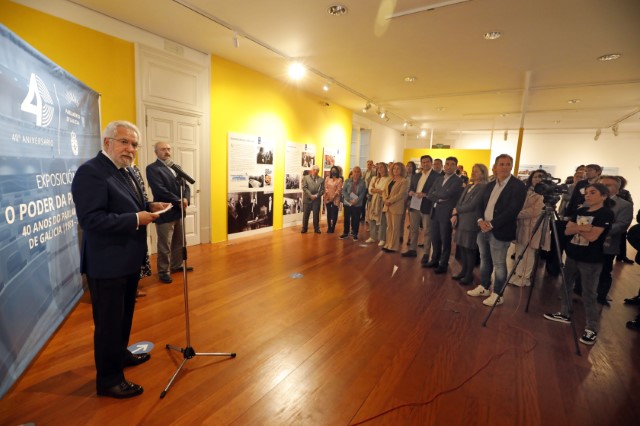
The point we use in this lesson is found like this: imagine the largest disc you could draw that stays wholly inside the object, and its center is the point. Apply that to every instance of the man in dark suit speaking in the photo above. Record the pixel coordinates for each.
(165, 187)
(113, 216)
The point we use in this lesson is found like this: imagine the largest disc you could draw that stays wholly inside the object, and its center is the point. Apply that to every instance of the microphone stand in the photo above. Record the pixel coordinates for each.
(187, 352)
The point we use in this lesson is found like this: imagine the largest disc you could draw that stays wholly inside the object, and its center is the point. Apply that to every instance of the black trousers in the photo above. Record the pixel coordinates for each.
(604, 285)
(467, 261)
(352, 219)
(332, 216)
(440, 240)
(113, 302)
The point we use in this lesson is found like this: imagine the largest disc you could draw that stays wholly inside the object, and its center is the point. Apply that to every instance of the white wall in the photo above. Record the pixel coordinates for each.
(386, 144)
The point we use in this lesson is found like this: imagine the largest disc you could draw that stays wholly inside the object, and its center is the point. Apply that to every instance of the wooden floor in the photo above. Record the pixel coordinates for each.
(347, 341)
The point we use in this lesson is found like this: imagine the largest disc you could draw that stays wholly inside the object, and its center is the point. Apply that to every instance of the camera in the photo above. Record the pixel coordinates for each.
(551, 189)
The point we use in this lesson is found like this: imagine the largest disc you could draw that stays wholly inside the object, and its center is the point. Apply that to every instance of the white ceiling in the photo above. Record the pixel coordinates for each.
(547, 55)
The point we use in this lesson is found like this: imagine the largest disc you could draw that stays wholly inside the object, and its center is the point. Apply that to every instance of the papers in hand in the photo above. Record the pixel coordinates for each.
(416, 202)
(164, 210)
(353, 196)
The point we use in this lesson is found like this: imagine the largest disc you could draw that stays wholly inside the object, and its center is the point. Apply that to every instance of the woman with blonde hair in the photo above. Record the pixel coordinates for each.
(394, 197)
(375, 216)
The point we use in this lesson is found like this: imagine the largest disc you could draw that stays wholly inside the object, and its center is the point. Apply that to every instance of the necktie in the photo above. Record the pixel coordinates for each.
(127, 177)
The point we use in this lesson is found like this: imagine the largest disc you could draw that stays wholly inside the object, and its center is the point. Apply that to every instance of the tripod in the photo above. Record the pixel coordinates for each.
(187, 352)
(547, 217)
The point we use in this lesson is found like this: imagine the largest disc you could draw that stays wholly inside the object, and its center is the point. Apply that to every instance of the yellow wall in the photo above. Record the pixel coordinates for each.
(247, 102)
(466, 157)
(104, 63)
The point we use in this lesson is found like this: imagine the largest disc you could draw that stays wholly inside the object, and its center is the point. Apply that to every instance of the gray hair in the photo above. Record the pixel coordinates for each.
(315, 167)
(112, 129)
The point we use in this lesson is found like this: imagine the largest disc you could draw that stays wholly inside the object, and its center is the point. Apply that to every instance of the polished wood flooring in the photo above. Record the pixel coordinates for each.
(332, 332)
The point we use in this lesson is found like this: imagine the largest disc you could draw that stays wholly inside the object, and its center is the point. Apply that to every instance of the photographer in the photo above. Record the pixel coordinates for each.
(586, 232)
(531, 211)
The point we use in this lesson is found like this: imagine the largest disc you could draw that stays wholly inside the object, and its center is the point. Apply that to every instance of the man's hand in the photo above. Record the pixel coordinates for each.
(185, 203)
(156, 207)
(145, 218)
(485, 226)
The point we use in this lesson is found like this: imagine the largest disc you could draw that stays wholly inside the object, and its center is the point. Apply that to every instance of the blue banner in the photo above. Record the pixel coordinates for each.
(49, 125)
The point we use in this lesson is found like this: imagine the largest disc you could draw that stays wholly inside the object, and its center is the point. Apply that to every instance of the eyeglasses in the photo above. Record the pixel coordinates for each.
(127, 142)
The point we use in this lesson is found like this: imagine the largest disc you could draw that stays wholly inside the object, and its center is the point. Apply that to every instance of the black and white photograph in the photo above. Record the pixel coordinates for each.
(249, 210)
(256, 181)
(268, 178)
(265, 156)
(308, 159)
(292, 181)
(292, 203)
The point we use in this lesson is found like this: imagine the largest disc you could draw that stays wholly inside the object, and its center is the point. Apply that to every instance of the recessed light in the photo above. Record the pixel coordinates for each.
(573, 101)
(609, 57)
(492, 35)
(326, 87)
(337, 10)
(410, 79)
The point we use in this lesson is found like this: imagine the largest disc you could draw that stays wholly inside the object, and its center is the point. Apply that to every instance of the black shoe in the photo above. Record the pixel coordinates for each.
(121, 391)
(425, 259)
(136, 359)
(421, 245)
(304, 231)
(457, 277)
(165, 278)
(431, 264)
(465, 281)
(181, 269)
(441, 270)
(625, 260)
(632, 301)
(409, 253)
(386, 250)
(603, 301)
(343, 236)
(634, 325)
(317, 231)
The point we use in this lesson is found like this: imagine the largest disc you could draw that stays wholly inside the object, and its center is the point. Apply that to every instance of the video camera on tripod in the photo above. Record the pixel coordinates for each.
(551, 189)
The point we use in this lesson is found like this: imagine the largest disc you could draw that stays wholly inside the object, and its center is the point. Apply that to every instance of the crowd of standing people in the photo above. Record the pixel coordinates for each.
(495, 219)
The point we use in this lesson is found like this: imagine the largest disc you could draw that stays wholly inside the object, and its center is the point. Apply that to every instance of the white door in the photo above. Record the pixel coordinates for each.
(182, 132)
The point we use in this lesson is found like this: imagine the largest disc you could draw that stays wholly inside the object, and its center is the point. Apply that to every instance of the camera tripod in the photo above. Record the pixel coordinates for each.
(547, 217)
(187, 352)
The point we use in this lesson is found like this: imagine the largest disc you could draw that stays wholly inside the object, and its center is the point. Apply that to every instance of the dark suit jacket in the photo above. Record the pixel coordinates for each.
(165, 188)
(445, 197)
(427, 204)
(106, 207)
(508, 205)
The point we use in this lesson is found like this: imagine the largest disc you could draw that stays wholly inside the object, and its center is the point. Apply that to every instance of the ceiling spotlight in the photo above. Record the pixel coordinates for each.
(326, 87)
(236, 41)
(597, 136)
(614, 128)
(609, 57)
(382, 114)
(492, 35)
(337, 10)
(573, 101)
(296, 70)
(405, 124)
(410, 79)
(423, 133)
(367, 107)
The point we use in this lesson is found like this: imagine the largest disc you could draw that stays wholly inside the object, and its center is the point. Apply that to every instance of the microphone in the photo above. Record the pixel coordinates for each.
(181, 173)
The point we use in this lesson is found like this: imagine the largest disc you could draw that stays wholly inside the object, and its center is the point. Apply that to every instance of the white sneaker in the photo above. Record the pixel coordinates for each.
(381, 243)
(479, 291)
(489, 301)
(370, 240)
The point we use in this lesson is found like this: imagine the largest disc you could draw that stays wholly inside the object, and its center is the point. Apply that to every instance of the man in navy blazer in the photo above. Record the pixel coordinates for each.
(419, 188)
(444, 195)
(113, 216)
(502, 200)
(166, 188)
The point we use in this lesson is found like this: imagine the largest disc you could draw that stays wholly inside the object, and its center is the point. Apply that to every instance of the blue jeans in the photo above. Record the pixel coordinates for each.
(493, 258)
